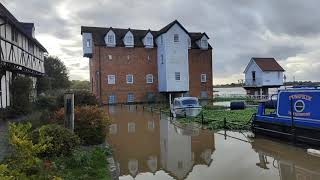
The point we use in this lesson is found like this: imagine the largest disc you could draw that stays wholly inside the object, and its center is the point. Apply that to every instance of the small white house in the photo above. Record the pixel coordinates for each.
(261, 74)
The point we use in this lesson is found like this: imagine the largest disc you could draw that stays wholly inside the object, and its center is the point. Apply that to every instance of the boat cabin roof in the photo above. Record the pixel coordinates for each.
(185, 98)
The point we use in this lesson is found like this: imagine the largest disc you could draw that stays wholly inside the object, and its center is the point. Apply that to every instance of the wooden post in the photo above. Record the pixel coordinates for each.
(69, 111)
(202, 121)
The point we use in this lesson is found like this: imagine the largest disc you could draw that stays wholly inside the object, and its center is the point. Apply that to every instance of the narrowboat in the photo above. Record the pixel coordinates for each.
(296, 117)
(185, 106)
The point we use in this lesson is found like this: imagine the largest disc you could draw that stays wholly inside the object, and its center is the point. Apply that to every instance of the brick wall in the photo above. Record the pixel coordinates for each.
(200, 62)
(135, 61)
(125, 61)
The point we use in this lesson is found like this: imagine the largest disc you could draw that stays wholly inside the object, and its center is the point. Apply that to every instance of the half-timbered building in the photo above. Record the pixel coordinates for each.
(20, 53)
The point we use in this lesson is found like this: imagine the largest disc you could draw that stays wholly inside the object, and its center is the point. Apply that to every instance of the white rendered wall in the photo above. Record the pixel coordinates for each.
(248, 75)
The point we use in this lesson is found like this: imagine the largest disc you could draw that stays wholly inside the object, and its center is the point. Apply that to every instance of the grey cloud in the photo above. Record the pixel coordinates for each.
(236, 28)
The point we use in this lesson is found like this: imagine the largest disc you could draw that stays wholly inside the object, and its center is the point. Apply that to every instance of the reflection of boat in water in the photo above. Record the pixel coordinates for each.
(188, 129)
(186, 106)
(292, 163)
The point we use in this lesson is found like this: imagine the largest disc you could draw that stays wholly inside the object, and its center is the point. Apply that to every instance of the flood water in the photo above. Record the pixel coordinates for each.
(149, 146)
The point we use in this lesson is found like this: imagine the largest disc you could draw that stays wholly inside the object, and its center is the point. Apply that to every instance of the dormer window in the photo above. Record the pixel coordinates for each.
(148, 40)
(204, 43)
(110, 39)
(128, 39)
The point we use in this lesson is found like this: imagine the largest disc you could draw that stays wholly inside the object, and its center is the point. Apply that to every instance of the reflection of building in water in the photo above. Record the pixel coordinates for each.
(293, 163)
(143, 143)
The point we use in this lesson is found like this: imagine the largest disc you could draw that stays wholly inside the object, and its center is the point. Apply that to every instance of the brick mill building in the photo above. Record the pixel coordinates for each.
(131, 65)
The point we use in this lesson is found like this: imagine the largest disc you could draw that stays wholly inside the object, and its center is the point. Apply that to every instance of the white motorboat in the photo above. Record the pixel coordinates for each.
(186, 106)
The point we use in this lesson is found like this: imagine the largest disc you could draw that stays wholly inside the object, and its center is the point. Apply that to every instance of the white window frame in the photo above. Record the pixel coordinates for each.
(149, 77)
(203, 78)
(128, 82)
(177, 74)
(128, 98)
(176, 38)
(149, 40)
(110, 38)
(129, 39)
(110, 77)
(88, 43)
(131, 127)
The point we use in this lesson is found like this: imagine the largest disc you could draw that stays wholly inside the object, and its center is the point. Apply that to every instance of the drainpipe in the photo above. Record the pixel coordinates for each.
(100, 97)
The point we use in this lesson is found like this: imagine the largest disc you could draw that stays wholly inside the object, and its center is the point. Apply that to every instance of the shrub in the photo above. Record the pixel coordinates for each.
(91, 123)
(21, 93)
(85, 163)
(23, 160)
(81, 98)
(47, 102)
(62, 141)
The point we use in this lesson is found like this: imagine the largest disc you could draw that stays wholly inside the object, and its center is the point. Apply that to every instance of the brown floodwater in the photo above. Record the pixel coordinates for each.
(150, 146)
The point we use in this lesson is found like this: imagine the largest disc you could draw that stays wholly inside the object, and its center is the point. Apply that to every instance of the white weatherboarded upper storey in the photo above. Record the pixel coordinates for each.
(263, 72)
(173, 59)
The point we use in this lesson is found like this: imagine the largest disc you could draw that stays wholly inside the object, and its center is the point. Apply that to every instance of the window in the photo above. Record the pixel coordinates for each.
(130, 97)
(112, 99)
(149, 40)
(204, 94)
(88, 43)
(253, 76)
(177, 76)
(150, 96)
(204, 43)
(31, 47)
(110, 57)
(129, 79)
(176, 37)
(129, 39)
(149, 78)
(14, 34)
(161, 58)
(161, 39)
(110, 38)
(203, 78)
(111, 79)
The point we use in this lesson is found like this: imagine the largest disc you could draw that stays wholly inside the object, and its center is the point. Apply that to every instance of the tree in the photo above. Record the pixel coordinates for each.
(56, 76)
(80, 85)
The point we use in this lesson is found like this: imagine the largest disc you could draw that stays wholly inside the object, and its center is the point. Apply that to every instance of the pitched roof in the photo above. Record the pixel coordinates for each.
(98, 34)
(268, 64)
(167, 27)
(24, 28)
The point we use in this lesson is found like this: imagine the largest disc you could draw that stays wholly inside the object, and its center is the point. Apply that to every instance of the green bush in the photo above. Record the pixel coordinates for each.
(23, 161)
(46, 103)
(21, 93)
(81, 98)
(62, 141)
(91, 123)
(84, 163)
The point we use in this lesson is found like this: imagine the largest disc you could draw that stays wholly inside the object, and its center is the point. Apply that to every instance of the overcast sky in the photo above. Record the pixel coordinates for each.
(288, 30)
